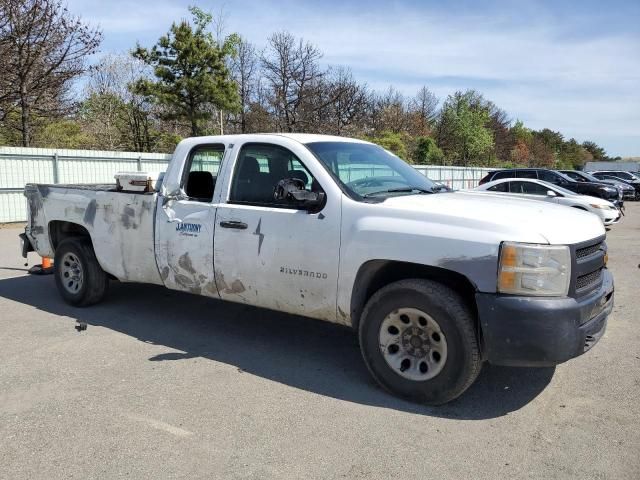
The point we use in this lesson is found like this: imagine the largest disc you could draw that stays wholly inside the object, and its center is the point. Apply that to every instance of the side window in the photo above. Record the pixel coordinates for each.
(548, 176)
(529, 188)
(504, 174)
(527, 174)
(258, 170)
(200, 177)
(501, 187)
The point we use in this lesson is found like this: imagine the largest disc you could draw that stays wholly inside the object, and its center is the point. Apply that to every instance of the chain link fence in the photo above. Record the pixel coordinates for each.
(19, 166)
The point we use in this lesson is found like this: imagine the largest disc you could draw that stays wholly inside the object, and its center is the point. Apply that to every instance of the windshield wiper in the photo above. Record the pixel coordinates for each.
(398, 190)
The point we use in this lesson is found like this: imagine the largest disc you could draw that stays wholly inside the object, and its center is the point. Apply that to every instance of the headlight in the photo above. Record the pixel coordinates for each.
(529, 269)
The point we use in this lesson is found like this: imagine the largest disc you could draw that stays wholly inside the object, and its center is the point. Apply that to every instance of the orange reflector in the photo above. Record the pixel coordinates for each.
(509, 256)
(606, 259)
(46, 262)
(507, 280)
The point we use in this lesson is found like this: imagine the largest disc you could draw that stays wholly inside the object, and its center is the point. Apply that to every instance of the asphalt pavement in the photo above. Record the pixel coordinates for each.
(167, 385)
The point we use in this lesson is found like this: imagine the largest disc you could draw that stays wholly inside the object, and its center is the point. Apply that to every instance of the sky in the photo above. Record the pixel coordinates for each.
(571, 66)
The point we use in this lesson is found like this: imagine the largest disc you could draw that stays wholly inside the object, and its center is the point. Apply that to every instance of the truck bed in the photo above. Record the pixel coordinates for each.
(120, 224)
(96, 187)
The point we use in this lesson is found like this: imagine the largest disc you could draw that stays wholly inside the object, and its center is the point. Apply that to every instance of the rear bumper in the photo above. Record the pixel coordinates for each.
(538, 331)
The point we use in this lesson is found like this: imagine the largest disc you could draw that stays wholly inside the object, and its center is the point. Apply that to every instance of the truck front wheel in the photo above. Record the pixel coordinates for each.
(79, 277)
(418, 340)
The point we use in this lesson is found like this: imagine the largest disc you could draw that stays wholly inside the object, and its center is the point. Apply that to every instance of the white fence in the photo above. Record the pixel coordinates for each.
(41, 165)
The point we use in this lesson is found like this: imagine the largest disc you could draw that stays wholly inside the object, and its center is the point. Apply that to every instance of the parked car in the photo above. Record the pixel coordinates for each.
(628, 177)
(434, 284)
(628, 191)
(601, 190)
(548, 192)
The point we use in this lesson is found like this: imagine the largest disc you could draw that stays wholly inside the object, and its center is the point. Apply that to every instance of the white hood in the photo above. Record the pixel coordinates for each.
(557, 224)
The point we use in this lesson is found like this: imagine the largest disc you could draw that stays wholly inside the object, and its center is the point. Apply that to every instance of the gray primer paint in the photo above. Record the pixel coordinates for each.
(90, 213)
(481, 271)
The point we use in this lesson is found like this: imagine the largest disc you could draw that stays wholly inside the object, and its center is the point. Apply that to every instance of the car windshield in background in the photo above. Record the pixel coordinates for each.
(589, 177)
(566, 177)
(370, 172)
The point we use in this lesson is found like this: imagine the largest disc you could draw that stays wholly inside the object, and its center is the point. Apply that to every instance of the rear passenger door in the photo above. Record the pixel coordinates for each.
(185, 224)
(269, 253)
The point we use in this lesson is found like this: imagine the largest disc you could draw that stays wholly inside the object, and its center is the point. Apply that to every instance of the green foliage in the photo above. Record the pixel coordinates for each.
(62, 134)
(596, 151)
(191, 73)
(427, 152)
(463, 125)
(521, 133)
(394, 142)
(573, 155)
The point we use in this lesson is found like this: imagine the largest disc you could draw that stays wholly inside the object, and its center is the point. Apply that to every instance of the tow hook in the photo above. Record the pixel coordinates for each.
(80, 326)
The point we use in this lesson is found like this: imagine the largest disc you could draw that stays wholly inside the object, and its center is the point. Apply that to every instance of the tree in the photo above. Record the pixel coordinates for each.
(573, 155)
(542, 155)
(191, 73)
(292, 73)
(520, 154)
(114, 115)
(426, 151)
(343, 103)
(462, 130)
(391, 141)
(43, 48)
(423, 109)
(596, 151)
(244, 66)
(62, 134)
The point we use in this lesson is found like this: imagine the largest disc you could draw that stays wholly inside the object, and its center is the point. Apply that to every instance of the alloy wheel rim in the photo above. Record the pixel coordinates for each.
(413, 344)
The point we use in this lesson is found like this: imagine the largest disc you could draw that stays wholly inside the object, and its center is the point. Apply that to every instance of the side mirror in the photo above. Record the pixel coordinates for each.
(293, 190)
(551, 193)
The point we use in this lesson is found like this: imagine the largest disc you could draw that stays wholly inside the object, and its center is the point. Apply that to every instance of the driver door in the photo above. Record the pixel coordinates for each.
(268, 252)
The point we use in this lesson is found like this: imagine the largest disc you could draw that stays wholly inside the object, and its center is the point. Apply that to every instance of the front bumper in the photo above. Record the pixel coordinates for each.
(610, 217)
(539, 331)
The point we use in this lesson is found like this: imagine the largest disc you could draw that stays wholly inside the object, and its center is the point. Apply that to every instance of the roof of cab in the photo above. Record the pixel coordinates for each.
(315, 137)
(303, 138)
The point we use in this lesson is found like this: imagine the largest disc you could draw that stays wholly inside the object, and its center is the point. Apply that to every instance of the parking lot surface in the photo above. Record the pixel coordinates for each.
(169, 385)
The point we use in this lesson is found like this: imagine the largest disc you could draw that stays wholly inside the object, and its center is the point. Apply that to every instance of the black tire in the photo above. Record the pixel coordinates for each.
(446, 307)
(94, 280)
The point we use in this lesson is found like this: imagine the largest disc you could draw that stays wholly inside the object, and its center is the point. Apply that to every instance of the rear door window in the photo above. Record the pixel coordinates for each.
(527, 174)
(504, 174)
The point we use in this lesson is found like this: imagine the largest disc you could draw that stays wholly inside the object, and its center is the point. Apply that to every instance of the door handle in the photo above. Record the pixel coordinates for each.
(233, 224)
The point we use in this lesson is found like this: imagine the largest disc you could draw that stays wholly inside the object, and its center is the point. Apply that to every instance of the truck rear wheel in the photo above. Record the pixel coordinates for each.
(418, 340)
(79, 277)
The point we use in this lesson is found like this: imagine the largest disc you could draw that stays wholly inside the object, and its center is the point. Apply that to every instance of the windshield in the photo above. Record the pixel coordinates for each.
(589, 177)
(368, 171)
(566, 177)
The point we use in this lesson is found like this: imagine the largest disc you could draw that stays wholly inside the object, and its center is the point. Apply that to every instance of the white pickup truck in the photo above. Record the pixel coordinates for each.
(341, 230)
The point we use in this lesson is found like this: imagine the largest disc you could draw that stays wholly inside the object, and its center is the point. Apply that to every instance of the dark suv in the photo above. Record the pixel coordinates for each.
(631, 178)
(628, 192)
(601, 190)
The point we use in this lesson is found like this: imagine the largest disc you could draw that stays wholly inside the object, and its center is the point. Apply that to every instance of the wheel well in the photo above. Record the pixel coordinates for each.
(375, 274)
(60, 230)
